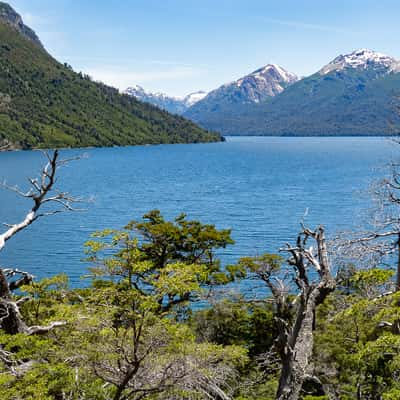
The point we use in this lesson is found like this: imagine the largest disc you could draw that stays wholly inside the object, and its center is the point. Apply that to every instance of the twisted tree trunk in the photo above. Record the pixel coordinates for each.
(296, 341)
(296, 319)
(10, 318)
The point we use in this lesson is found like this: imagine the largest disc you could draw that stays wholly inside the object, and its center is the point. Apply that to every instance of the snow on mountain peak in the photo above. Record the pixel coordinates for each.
(264, 82)
(176, 105)
(286, 76)
(134, 88)
(141, 94)
(361, 59)
(194, 97)
(272, 72)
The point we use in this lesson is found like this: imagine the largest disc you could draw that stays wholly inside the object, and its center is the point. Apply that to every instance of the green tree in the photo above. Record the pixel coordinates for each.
(141, 286)
(356, 353)
(171, 263)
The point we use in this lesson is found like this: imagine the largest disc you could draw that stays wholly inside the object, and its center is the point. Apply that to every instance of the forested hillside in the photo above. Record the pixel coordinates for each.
(46, 104)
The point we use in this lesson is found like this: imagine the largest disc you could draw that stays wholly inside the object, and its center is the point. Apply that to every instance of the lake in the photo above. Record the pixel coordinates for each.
(261, 187)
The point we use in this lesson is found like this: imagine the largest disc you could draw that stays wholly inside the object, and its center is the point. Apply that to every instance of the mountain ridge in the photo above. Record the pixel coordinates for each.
(44, 103)
(229, 99)
(364, 59)
(172, 104)
(354, 94)
(9, 16)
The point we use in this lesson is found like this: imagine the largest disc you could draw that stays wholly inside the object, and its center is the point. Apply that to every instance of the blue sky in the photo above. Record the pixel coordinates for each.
(180, 46)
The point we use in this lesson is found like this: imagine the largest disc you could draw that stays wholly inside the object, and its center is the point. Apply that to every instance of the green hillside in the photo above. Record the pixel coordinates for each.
(349, 102)
(340, 103)
(46, 104)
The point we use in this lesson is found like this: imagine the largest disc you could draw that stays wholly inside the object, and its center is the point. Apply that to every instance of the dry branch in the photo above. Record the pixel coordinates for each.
(295, 312)
(42, 192)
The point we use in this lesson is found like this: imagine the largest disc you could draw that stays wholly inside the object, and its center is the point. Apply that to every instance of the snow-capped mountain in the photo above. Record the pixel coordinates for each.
(254, 88)
(175, 105)
(194, 97)
(265, 82)
(362, 59)
(354, 94)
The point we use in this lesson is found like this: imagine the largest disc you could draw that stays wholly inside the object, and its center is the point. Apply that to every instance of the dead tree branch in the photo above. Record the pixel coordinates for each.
(295, 306)
(42, 192)
(295, 341)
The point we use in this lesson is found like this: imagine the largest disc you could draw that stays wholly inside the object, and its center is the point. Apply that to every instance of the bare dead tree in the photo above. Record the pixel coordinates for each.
(383, 238)
(295, 307)
(295, 342)
(42, 192)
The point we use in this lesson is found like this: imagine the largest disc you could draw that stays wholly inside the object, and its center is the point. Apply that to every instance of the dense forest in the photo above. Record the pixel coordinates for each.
(45, 104)
(159, 317)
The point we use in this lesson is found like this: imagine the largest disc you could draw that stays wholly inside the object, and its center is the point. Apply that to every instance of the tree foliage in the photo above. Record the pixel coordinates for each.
(154, 323)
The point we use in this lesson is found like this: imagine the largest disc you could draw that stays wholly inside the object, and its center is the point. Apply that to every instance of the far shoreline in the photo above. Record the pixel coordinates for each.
(223, 140)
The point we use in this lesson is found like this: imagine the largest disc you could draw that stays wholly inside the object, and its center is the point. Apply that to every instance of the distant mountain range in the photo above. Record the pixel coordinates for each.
(354, 94)
(222, 105)
(174, 105)
(46, 104)
(253, 88)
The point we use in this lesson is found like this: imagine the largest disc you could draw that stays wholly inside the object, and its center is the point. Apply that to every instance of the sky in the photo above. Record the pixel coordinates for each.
(181, 46)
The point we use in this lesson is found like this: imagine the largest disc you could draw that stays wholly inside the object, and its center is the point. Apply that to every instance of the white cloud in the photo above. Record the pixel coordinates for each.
(303, 25)
(29, 19)
(34, 20)
(122, 77)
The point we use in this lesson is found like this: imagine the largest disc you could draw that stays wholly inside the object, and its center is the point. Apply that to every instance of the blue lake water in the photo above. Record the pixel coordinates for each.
(259, 187)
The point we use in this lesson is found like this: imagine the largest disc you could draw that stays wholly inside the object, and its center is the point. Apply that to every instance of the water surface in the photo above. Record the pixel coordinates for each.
(261, 187)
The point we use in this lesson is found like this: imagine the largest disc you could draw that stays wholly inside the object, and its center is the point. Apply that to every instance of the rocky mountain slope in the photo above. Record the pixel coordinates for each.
(46, 104)
(10, 17)
(221, 105)
(362, 59)
(354, 94)
(174, 105)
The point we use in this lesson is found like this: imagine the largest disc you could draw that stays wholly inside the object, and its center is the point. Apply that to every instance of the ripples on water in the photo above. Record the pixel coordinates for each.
(259, 187)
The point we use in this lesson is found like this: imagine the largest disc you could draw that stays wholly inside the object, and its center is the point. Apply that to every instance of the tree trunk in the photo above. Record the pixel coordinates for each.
(10, 318)
(40, 193)
(296, 341)
(297, 353)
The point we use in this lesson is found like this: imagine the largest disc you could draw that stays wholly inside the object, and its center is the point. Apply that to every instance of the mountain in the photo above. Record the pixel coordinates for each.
(46, 104)
(363, 59)
(174, 105)
(192, 98)
(221, 106)
(10, 17)
(355, 94)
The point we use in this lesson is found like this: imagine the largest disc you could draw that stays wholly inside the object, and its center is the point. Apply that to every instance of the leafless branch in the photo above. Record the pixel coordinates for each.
(39, 193)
